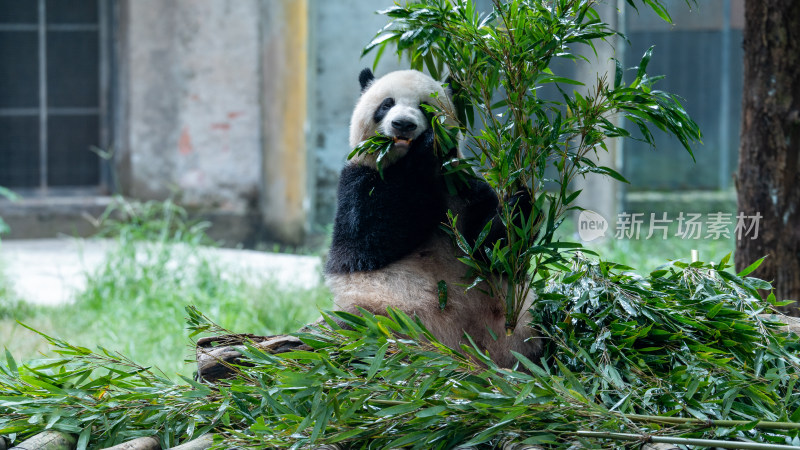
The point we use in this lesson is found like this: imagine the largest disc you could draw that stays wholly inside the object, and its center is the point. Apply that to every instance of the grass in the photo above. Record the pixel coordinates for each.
(134, 303)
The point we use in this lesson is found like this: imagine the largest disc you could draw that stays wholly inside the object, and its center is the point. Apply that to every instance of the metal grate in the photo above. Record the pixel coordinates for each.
(53, 100)
(701, 60)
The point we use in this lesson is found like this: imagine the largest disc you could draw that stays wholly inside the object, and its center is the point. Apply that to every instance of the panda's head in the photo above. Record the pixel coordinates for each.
(390, 105)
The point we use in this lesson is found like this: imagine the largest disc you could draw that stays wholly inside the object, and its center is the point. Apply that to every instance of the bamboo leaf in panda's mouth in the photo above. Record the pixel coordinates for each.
(379, 144)
(445, 144)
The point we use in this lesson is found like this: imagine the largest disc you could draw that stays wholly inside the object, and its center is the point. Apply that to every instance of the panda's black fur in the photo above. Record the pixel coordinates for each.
(388, 248)
(378, 221)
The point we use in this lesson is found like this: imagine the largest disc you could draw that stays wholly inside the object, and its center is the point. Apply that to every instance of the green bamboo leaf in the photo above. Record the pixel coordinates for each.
(399, 410)
(432, 411)
(380, 39)
(33, 381)
(12, 365)
(377, 361)
(618, 72)
(83, 438)
(749, 269)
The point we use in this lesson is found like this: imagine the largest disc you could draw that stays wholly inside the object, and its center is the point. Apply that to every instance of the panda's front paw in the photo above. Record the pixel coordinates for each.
(521, 203)
(420, 154)
(424, 142)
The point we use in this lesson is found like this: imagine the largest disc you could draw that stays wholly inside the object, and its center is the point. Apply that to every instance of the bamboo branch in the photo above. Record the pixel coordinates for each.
(763, 425)
(684, 441)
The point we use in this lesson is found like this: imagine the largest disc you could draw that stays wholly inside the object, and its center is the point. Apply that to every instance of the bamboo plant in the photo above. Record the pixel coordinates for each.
(496, 63)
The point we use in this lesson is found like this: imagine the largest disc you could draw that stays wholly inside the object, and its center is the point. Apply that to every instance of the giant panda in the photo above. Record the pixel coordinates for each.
(388, 248)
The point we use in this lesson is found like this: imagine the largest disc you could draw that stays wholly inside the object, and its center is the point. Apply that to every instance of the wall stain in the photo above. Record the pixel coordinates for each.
(185, 142)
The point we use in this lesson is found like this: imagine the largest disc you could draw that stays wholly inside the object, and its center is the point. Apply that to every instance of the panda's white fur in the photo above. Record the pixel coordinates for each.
(410, 281)
(409, 88)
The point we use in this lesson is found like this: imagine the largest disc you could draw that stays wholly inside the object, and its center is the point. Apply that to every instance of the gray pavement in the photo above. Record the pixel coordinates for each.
(51, 271)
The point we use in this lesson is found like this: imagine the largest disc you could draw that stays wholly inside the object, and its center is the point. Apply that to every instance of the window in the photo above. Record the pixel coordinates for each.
(53, 95)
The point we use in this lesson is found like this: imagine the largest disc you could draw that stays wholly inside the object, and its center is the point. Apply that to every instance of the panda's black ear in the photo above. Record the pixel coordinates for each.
(365, 78)
(450, 81)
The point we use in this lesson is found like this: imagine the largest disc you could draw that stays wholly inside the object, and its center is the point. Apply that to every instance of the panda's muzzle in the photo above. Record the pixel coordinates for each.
(403, 128)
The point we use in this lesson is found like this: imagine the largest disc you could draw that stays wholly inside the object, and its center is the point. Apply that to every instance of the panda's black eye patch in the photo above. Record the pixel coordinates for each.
(384, 108)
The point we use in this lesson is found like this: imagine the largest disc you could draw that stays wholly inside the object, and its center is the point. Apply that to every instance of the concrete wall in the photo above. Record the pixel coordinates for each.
(193, 110)
(242, 107)
(340, 29)
(286, 181)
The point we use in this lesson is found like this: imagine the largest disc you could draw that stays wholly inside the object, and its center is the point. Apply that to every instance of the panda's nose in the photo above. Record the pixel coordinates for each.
(404, 126)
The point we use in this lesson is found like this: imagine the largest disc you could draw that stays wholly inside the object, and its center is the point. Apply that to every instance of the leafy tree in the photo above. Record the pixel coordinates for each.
(497, 63)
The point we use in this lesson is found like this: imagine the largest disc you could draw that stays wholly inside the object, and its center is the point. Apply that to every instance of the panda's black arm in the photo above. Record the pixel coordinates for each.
(482, 206)
(380, 220)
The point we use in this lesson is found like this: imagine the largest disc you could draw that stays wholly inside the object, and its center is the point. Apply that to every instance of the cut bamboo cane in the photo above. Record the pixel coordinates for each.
(511, 445)
(763, 425)
(48, 440)
(684, 441)
(142, 443)
(217, 355)
(202, 443)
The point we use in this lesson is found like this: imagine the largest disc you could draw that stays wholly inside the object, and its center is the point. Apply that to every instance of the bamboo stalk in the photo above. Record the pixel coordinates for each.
(763, 425)
(48, 440)
(511, 445)
(202, 443)
(684, 441)
(142, 443)
(651, 446)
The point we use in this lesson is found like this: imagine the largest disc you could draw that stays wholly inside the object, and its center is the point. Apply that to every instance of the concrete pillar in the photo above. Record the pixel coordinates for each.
(189, 82)
(285, 202)
(602, 194)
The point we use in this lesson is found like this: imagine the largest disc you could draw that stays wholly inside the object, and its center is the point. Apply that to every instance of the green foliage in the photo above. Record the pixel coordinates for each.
(11, 306)
(152, 221)
(689, 340)
(379, 144)
(625, 354)
(134, 301)
(497, 62)
(10, 195)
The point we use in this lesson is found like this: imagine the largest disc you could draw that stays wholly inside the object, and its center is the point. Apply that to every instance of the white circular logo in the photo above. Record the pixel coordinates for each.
(591, 225)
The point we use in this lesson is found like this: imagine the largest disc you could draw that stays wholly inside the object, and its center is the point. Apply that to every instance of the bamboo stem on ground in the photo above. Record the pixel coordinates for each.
(142, 443)
(202, 443)
(48, 440)
(684, 441)
(763, 425)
